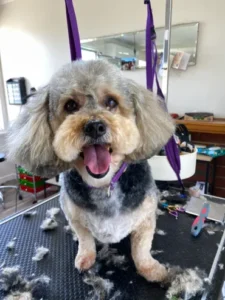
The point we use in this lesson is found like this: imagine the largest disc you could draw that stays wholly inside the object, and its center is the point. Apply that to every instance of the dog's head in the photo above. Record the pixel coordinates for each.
(89, 117)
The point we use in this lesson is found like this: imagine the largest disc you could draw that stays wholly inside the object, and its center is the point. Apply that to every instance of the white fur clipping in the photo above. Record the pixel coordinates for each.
(111, 257)
(69, 230)
(17, 295)
(156, 252)
(18, 288)
(116, 296)
(49, 224)
(189, 282)
(160, 212)
(29, 214)
(221, 266)
(40, 253)
(109, 273)
(11, 244)
(210, 232)
(160, 232)
(9, 278)
(101, 287)
(52, 212)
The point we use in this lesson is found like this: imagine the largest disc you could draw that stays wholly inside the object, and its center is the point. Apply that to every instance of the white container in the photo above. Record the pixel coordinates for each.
(162, 171)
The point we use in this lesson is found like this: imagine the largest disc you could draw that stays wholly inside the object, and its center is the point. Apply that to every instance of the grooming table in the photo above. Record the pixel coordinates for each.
(180, 248)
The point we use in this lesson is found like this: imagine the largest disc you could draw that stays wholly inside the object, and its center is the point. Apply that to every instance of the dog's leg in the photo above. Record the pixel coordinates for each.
(141, 243)
(86, 254)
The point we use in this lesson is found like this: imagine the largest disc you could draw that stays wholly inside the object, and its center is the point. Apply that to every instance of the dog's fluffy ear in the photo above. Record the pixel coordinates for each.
(154, 123)
(30, 138)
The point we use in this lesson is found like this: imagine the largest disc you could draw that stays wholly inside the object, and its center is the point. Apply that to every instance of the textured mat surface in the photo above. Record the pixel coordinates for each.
(180, 248)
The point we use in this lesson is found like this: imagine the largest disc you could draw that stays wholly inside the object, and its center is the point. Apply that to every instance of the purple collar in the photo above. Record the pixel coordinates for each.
(115, 178)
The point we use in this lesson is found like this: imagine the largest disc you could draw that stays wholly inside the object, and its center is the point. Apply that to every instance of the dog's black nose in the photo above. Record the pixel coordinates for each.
(95, 129)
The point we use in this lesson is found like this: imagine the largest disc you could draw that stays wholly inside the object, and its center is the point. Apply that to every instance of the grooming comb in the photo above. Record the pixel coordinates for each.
(199, 221)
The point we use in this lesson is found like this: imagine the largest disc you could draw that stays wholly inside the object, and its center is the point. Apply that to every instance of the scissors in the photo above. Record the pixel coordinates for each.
(173, 209)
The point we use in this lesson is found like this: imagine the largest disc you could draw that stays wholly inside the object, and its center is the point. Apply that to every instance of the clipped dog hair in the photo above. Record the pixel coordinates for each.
(30, 139)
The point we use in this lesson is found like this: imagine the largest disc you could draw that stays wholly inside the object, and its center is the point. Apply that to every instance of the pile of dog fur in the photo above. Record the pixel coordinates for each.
(180, 283)
(16, 287)
(185, 283)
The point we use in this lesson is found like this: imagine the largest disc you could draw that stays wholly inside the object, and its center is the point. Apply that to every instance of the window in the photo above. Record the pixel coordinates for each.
(88, 54)
(3, 110)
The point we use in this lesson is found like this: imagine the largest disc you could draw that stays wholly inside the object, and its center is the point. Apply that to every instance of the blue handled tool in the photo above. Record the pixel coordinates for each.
(199, 221)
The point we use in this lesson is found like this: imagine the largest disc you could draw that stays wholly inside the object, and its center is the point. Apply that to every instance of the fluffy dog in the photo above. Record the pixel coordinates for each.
(86, 123)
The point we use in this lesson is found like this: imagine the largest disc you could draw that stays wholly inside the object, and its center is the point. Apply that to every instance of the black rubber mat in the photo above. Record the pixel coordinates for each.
(180, 248)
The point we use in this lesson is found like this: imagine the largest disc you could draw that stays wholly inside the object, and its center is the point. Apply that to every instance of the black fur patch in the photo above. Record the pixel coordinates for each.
(78, 190)
(134, 183)
(132, 187)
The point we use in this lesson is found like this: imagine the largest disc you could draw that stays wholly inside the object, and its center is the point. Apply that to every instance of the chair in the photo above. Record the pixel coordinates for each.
(3, 187)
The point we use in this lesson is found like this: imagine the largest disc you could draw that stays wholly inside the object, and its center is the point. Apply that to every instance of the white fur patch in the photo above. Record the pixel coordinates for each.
(11, 244)
(189, 282)
(160, 232)
(49, 224)
(17, 295)
(156, 252)
(40, 253)
(52, 212)
(69, 230)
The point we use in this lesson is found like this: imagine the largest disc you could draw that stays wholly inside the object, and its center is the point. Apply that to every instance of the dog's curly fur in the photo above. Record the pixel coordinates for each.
(47, 140)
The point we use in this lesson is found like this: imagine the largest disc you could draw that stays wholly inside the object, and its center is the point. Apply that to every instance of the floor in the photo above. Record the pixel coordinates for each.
(8, 208)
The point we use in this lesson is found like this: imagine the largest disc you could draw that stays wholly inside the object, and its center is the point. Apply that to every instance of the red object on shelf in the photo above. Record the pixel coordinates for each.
(32, 190)
(29, 178)
(174, 116)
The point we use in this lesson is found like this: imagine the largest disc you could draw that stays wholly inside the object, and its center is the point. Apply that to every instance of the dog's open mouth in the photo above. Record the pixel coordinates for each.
(97, 159)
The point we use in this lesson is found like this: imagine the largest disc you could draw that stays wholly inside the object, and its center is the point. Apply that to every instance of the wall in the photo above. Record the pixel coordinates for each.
(34, 43)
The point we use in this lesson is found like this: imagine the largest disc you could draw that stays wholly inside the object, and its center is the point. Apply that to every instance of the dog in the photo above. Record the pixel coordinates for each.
(98, 128)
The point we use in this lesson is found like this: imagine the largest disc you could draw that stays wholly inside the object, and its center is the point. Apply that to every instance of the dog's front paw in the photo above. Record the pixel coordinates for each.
(152, 270)
(85, 260)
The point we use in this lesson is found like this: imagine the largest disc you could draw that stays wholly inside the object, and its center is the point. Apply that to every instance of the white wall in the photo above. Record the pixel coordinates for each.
(34, 43)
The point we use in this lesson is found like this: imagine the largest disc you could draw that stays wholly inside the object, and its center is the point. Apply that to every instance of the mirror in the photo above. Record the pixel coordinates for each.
(127, 50)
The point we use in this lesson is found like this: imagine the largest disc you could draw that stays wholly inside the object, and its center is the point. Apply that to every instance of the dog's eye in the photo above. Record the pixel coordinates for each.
(111, 103)
(71, 106)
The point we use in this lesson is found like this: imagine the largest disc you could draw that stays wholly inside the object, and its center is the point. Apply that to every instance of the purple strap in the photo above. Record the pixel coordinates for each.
(117, 176)
(74, 37)
(171, 148)
(149, 48)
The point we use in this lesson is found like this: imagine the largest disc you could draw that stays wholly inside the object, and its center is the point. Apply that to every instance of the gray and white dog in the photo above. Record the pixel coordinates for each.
(87, 123)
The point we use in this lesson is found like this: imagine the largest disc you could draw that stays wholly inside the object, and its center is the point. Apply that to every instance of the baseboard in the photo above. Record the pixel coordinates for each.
(7, 178)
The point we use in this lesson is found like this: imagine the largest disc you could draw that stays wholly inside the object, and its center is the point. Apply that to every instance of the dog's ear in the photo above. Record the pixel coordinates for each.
(30, 137)
(153, 121)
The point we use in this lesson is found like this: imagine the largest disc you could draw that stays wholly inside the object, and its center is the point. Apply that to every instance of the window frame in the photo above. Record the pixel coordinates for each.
(3, 105)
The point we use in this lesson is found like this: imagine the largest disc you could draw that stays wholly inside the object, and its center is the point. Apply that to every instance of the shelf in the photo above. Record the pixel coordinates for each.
(215, 127)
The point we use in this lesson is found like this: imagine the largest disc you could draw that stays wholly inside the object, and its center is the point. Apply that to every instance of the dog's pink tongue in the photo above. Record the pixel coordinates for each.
(97, 158)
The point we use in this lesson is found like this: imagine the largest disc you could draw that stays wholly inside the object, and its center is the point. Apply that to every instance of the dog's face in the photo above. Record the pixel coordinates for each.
(89, 117)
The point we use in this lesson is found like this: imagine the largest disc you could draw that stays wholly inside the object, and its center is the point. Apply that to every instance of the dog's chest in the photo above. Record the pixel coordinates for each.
(109, 230)
(110, 224)
(110, 219)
